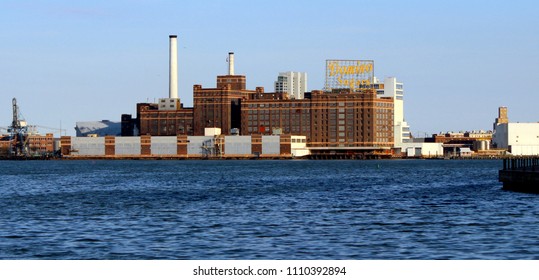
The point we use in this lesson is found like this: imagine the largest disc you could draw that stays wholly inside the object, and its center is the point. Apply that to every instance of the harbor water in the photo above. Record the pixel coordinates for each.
(263, 209)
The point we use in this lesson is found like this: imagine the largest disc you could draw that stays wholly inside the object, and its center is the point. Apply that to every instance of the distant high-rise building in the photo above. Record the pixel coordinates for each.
(293, 83)
(393, 89)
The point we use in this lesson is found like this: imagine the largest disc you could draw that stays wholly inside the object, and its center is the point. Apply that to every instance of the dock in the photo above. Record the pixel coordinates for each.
(520, 174)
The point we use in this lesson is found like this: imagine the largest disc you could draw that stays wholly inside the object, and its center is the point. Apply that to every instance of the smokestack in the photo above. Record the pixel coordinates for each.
(230, 63)
(173, 67)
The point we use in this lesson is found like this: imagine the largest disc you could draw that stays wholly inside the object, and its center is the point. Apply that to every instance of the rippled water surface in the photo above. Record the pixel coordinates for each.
(263, 210)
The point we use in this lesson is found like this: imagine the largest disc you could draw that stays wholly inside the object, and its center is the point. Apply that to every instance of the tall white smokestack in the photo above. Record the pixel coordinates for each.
(173, 67)
(230, 63)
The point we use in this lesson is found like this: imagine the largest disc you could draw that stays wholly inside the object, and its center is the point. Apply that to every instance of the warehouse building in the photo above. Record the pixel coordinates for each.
(519, 139)
(184, 147)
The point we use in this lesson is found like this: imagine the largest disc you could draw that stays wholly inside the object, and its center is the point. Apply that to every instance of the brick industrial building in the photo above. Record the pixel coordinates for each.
(36, 144)
(328, 119)
(347, 118)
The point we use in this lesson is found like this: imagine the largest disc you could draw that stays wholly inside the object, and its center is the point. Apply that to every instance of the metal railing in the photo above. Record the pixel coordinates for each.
(524, 163)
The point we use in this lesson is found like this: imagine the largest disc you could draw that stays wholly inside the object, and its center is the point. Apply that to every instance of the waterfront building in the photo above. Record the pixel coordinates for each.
(347, 118)
(274, 113)
(152, 119)
(293, 83)
(353, 115)
(422, 150)
(166, 118)
(38, 144)
(184, 147)
(467, 137)
(220, 106)
(391, 88)
(519, 139)
(5, 144)
(343, 118)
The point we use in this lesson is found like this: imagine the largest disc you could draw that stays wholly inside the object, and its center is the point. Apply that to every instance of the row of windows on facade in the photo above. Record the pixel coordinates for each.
(279, 121)
(162, 122)
(299, 140)
(166, 115)
(350, 117)
(278, 117)
(332, 133)
(331, 130)
(333, 127)
(384, 134)
(266, 129)
(41, 145)
(349, 136)
(268, 111)
(171, 129)
(166, 128)
(36, 139)
(384, 123)
(398, 86)
(351, 140)
(327, 111)
(278, 105)
(387, 124)
(310, 104)
(268, 124)
(398, 92)
(341, 114)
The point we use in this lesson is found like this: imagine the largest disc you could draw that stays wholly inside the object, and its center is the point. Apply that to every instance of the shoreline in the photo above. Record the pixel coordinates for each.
(249, 157)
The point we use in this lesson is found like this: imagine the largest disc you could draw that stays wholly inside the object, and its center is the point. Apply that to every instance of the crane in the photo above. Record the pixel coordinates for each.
(18, 133)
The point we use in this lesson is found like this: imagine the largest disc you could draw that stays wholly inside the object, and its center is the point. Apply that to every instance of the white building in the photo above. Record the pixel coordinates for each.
(423, 150)
(293, 83)
(299, 146)
(393, 89)
(519, 139)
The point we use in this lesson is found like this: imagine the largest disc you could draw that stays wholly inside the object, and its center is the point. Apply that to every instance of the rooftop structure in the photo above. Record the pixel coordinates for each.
(502, 117)
(98, 128)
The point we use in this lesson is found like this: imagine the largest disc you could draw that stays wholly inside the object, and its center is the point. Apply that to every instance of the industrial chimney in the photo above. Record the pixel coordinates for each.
(231, 63)
(224, 81)
(173, 67)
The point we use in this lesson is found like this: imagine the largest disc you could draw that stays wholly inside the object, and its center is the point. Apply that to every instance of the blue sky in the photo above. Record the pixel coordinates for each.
(68, 61)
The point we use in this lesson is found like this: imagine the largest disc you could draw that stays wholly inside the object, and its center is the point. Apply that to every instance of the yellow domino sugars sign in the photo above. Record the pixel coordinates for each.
(349, 74)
